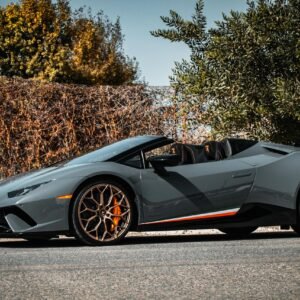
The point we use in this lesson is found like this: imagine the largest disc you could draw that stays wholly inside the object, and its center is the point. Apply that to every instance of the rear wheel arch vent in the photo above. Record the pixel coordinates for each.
(277, 151)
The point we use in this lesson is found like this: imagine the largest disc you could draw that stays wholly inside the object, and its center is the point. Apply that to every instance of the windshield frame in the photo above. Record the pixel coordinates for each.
(109, 155)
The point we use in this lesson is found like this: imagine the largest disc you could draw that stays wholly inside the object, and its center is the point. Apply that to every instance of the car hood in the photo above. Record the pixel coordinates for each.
(38, 176)
(26, 175)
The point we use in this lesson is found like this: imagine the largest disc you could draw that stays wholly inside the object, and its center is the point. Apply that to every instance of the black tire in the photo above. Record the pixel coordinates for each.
(296, 227)
(239, 231)
(95, 220)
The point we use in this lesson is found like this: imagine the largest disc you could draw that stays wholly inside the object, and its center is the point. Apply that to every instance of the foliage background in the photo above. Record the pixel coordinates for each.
(44, 39)
(42, 123)
(243, 75)
(243, 78)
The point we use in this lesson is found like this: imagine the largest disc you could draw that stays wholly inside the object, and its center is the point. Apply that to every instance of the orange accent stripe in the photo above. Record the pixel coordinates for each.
(65, 197)
(218, 215)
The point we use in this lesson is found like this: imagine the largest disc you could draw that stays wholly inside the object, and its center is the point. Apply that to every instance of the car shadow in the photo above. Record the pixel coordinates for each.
(189, 190)
(206, 238)
(148, 239)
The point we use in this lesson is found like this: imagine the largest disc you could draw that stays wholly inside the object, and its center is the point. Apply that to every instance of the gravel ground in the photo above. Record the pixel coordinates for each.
(206, 231)
(177, 265)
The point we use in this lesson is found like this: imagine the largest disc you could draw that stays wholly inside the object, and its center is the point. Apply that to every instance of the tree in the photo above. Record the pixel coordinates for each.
(244, 73)
(97, 51)
(45, 40)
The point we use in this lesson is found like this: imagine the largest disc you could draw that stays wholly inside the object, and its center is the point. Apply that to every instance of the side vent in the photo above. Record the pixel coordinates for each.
(20, 214)
(277, 151)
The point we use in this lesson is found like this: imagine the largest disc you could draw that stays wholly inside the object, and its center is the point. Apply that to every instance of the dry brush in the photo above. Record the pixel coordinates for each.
(42, 123)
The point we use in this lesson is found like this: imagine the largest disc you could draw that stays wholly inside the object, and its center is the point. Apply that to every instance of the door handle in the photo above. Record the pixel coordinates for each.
(240, 175)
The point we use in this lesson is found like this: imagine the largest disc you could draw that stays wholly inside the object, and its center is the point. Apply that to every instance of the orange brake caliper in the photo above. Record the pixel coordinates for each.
(116, 212)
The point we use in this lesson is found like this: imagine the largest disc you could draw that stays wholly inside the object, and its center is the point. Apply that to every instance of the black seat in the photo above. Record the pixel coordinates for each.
(216, 151)
(212, 153)
(187, 152)
(227, 147)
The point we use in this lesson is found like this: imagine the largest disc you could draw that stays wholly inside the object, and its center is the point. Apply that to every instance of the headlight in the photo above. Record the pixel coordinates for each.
(25, 190)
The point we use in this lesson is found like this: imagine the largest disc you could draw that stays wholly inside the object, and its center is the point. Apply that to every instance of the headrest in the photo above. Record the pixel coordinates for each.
(212, 153)
(187, 152)
(227, 147)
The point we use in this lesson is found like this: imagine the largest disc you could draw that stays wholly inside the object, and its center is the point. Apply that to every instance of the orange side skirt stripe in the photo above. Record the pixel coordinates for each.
(222, 214)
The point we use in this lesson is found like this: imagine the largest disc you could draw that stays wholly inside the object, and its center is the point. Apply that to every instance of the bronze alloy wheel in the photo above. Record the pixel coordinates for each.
(102, 213)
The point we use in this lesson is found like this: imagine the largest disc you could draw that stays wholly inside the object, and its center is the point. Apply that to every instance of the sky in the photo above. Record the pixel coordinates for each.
(155, 56)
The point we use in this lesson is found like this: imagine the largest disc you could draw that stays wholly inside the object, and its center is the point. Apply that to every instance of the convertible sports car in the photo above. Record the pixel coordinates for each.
(152, 183)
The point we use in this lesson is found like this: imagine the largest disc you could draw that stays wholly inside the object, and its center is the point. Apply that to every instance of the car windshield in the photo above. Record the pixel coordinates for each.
(110, 151)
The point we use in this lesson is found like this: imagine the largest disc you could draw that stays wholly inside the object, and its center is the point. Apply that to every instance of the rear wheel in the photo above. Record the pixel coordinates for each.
(102, 213)
(296, 227)
(238, 231)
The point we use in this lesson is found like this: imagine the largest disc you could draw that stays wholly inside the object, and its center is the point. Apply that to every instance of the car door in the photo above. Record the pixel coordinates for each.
(195, 189)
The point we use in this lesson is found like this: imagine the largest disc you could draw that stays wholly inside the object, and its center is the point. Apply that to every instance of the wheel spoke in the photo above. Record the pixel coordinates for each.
(89, 221)
(102, 195)
(94, 200)
(89, 210)
(106, 232)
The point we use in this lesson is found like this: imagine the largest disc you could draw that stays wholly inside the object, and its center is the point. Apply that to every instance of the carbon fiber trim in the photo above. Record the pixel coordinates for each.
(4, 227)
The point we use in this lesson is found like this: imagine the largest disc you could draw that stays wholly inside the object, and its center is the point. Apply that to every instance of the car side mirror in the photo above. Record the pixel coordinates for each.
(159, 162)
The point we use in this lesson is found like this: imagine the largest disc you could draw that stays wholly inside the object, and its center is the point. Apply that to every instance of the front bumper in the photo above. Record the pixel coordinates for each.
(38, 211)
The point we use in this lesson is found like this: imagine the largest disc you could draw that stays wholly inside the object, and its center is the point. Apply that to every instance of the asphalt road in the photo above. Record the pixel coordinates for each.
(265, 266)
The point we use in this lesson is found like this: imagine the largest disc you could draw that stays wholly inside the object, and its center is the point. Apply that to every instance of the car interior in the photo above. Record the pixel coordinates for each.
(184, 154)
(209, 151)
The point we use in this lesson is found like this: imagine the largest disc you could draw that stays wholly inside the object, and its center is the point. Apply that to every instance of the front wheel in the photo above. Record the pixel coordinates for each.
(102, 213)
(239, 231)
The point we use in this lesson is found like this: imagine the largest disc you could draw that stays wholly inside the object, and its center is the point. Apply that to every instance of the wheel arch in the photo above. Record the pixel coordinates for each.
(115, 178)
(298, 206)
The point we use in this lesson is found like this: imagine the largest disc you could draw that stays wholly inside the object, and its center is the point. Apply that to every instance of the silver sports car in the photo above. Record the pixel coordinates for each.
(152, 183)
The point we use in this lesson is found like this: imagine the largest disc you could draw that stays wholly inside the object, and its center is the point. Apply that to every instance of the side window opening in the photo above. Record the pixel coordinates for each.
(166, 150)
(133, 161)
(163, 150)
